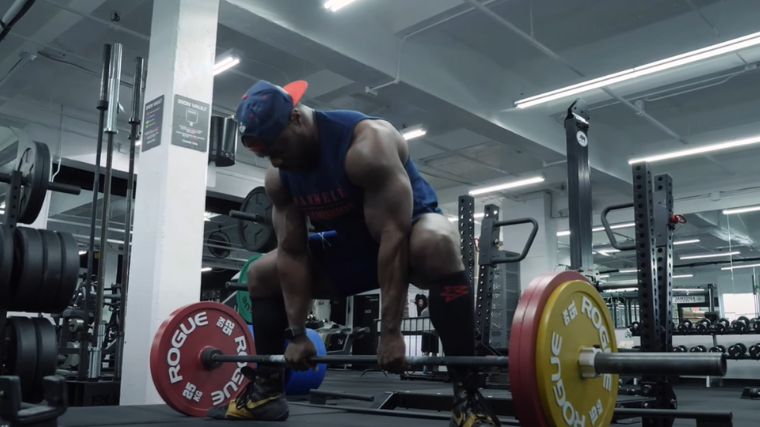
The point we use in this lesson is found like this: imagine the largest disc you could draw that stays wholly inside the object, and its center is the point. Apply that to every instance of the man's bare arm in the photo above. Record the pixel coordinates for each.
(293, 266)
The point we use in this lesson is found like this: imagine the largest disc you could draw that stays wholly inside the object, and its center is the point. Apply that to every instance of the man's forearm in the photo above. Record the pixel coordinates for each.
(393, 268)
(295, 279)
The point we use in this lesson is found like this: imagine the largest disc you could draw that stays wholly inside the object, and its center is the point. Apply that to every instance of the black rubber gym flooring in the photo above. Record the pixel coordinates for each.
(745, 412)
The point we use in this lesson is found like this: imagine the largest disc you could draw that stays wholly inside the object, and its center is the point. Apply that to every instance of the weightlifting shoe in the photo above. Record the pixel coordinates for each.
(262, 399)
(470, 408)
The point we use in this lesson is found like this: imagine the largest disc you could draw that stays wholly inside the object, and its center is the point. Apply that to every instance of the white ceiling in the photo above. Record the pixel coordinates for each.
(461, 69)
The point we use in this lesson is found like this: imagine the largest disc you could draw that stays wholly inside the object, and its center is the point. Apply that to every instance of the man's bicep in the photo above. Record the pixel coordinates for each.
(388, 204)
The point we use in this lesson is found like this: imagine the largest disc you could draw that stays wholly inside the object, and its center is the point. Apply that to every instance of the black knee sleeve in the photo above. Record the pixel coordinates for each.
(269, 323)
(452, 315)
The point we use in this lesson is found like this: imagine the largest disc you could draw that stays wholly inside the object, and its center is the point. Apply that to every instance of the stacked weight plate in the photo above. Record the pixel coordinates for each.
(45, 270)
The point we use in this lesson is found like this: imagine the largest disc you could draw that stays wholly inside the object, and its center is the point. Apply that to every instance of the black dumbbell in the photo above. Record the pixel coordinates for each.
(635, 328)
(680, 349)
(698, 349)
(737, 351)
(722, 325)
(754, 351)
(718, 349)
(754, 324)
(740, 325)
(703, 326)
(685, 327)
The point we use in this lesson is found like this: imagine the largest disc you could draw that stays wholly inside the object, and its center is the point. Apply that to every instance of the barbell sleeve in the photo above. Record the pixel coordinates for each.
(247, 216)
(64, 188)
(594, 362)
(55, 186)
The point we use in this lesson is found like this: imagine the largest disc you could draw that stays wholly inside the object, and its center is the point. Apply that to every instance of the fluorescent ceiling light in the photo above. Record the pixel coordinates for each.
(336, 5)
(598, 229)
(621, 290)
(698, 150)
(628, 270)
(225, 64)
(737, 267)
(82, 252)
(507, 185)
(414, 133)
(685, 242)
(624, 282)
(644, 70)
(476, 216)
(607, 252)
(687, 290)
(716, 255)
(683, 276)
(741, 210)
(205, 269)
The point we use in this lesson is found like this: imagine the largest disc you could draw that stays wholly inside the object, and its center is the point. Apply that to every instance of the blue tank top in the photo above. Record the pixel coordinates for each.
(327, 197)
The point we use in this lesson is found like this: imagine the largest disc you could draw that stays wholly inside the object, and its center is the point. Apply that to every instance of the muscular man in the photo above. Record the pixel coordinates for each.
(346, 172)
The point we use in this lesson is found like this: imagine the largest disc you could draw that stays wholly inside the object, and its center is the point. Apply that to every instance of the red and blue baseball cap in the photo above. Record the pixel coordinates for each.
(265, 110)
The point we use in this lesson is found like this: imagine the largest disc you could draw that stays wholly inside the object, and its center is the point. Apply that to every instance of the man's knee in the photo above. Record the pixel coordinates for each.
(434, 253)
(262, 277)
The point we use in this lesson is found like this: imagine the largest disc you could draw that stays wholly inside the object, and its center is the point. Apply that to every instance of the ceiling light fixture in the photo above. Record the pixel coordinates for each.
(741, 210)
(628, 270)
(738, 267)
(698, 150)
(620, 290)
(685, 242)
(607, 252)
(205, 269)
(225, 64)
(683, 276)
(336, 5)
(712, 51)
(507, 185)
(716, 255)
(414, 133)
(600, 228)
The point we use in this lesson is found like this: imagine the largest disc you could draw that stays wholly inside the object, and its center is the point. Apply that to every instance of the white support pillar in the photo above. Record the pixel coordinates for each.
(171, 188)
(542, 257)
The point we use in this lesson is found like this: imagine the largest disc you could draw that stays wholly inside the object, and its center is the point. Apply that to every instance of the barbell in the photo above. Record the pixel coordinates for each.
(562, 361)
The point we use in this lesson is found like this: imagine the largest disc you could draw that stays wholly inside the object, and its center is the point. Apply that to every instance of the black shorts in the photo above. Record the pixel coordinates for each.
(349, 264)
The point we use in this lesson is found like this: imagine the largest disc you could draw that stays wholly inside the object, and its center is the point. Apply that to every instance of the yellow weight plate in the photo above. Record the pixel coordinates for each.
(575, 317)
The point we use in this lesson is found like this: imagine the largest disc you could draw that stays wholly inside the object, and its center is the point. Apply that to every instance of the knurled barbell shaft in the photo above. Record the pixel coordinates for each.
(612, 363)
(500, 361)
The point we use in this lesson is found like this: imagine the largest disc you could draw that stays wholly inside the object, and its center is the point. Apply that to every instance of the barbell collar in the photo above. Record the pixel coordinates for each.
(55, 186)
(658, 363)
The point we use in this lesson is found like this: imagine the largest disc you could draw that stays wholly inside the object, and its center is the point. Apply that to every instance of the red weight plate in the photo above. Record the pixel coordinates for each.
(522, 354)
(520, 386)
(175, 363)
